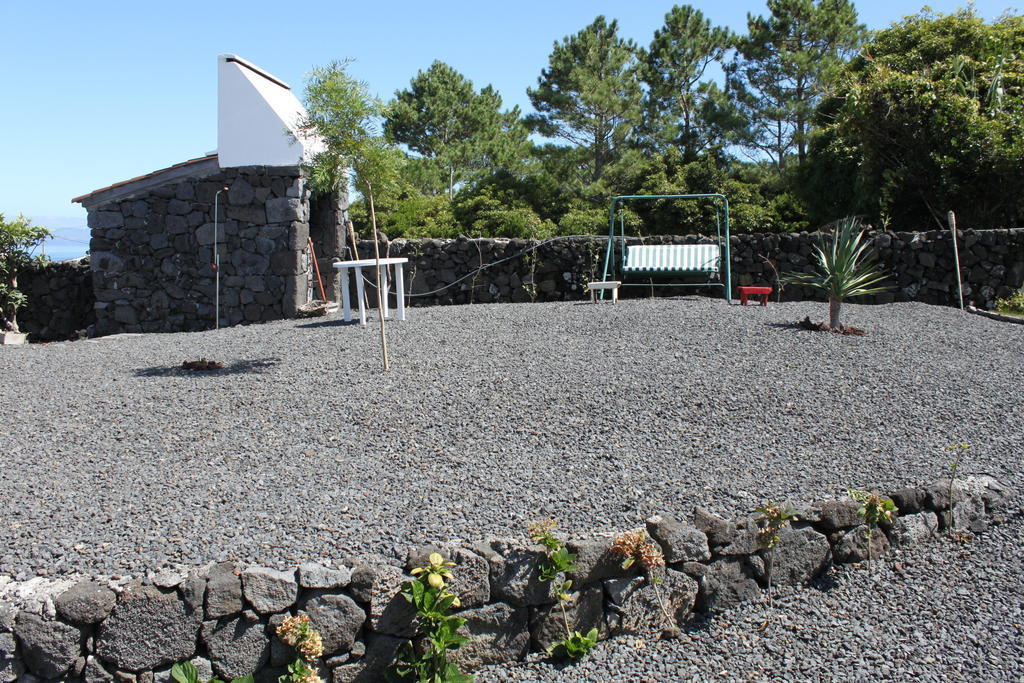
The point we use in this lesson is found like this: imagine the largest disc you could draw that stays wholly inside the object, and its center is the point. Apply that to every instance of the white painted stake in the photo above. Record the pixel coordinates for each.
(951, 217)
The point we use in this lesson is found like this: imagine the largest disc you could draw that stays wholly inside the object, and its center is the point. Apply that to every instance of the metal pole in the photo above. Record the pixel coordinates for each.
(951, 217)
(216, 262)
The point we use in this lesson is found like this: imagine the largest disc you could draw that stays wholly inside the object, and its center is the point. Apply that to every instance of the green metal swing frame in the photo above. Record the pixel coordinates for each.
(725, 259)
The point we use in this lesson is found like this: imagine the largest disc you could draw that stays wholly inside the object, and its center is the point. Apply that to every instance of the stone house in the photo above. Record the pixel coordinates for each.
(153, 237)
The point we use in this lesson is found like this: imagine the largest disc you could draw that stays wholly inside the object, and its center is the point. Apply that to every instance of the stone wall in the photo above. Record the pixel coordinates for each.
(152, 251)
(223, 616)
(992, 265)
(60, 301)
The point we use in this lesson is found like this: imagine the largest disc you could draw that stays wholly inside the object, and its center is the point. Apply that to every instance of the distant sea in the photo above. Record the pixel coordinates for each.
(66, 243)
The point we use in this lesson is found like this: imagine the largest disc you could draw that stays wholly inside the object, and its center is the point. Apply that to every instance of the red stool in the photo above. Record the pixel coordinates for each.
(765, 292)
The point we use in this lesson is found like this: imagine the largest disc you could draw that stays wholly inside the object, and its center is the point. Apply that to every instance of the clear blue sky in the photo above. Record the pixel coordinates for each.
(103, 91)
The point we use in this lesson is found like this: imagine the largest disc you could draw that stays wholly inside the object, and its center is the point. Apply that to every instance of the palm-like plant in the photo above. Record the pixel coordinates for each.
(845, 268)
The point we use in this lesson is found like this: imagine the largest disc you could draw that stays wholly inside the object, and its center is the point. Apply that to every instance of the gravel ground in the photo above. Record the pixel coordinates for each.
(115, 460)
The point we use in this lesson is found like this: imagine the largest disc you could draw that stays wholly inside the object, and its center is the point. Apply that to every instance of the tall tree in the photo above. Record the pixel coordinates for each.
(785, 63)
(589, 95)
(462, 133)
(674, 68)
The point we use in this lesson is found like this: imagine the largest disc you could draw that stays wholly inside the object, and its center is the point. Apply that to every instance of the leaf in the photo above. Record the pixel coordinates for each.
(185, 672)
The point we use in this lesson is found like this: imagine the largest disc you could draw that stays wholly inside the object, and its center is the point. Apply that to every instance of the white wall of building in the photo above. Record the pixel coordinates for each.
(257, 116)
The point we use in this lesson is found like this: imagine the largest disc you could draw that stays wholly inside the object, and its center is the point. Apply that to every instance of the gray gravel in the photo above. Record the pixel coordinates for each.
(115, 460)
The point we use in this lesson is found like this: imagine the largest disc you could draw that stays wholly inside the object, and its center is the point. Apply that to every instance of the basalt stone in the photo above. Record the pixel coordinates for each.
(515, 575)
(94, 671)
(729, 581)
(992, 492)
(390, 612)
(679, 542)
(337, 618)
(913, 529)
(269, 590)
(595, 562)
(909, 500)
(470, 575)
(380, 652)
(636, 605)
(283, 210)
(584, 610)
(102, 220)
(852, 546)
(497, 633)
(718, 530)
(240, 193)
(8, 645)
(87, 602)
(744, 540)
(147, 628)
(800, 556)
(237, 646)
(313, 575)
(969, 515)
(837, 514)
(49, 648)
(223, 591)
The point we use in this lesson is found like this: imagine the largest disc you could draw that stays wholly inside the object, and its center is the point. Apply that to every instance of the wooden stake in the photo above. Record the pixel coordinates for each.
(380, 301)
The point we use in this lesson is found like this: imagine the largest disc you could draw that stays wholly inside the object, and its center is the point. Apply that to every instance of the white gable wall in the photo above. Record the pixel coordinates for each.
(257, 117)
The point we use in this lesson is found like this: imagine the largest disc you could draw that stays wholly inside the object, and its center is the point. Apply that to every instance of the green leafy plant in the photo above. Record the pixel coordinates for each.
(1013, 304)
(845, 268)
(427, 660)
(874, 509)
(186, 672)
(18, 241)
(558, 560)
(958, 449)
(636, 548)
(773, 519)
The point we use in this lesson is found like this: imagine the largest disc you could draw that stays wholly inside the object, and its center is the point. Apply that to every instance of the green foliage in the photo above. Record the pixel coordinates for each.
(18, 241)
(427, 661)
(589, 95)
(845, 266)
(186, 672)
(784, 64)
(874, 510)
(461, 131)
(931, 118)
(959, 450)
(558, 559)
(673, 69)
(774, 518)
(574, 646)
(1013, 304)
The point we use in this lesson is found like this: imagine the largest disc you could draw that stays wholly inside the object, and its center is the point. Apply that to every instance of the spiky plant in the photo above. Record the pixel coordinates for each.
(845, 267)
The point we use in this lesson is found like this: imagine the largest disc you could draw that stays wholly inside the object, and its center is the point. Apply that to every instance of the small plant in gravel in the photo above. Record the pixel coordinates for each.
(559, 560)
(427, 660)
(874, 509)
(636, 547)
(297, 632)
(186, 672)
(202, 365)
(1013, 304)
(958, 450)
(773, 519)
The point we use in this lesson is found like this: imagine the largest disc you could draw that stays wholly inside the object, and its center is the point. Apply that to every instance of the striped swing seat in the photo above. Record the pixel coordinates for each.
(672, 258)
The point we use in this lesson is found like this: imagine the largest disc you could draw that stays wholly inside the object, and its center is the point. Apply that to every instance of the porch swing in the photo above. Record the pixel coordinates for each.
(649, 261)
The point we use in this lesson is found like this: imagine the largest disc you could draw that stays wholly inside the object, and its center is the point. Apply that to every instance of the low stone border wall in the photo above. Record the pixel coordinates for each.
(60, 301)
(223, 616)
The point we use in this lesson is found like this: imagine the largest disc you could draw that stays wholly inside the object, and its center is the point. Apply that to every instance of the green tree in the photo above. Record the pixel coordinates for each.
(341, 112)
(18, 242)
(931, 119)
(589, 96)
(785, 64)
(674, 68)
(461, 133)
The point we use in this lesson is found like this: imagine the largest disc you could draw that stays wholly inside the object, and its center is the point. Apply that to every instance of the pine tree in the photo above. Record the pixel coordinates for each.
(674, 68)
(459, 132)
(589, 96)
(785, 63)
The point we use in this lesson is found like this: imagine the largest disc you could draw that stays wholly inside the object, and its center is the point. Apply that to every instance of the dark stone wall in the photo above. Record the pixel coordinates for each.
(152, 253)
(60, 301)
(921, 264)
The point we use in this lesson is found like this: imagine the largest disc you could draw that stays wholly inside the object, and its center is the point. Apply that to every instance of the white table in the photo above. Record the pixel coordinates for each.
(357, 266)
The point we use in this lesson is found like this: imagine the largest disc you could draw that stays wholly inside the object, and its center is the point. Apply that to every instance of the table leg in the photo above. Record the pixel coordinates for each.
(400, 291)
(361, 294)
(346, 305)
(384, 290)
(615, 295)
(764, 299)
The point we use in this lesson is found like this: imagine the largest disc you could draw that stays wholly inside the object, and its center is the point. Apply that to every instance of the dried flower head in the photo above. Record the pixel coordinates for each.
(311, 646)
(293, 629)
(635, 546)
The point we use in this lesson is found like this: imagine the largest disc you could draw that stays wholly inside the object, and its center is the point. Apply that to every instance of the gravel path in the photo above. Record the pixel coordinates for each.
(115, 460)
